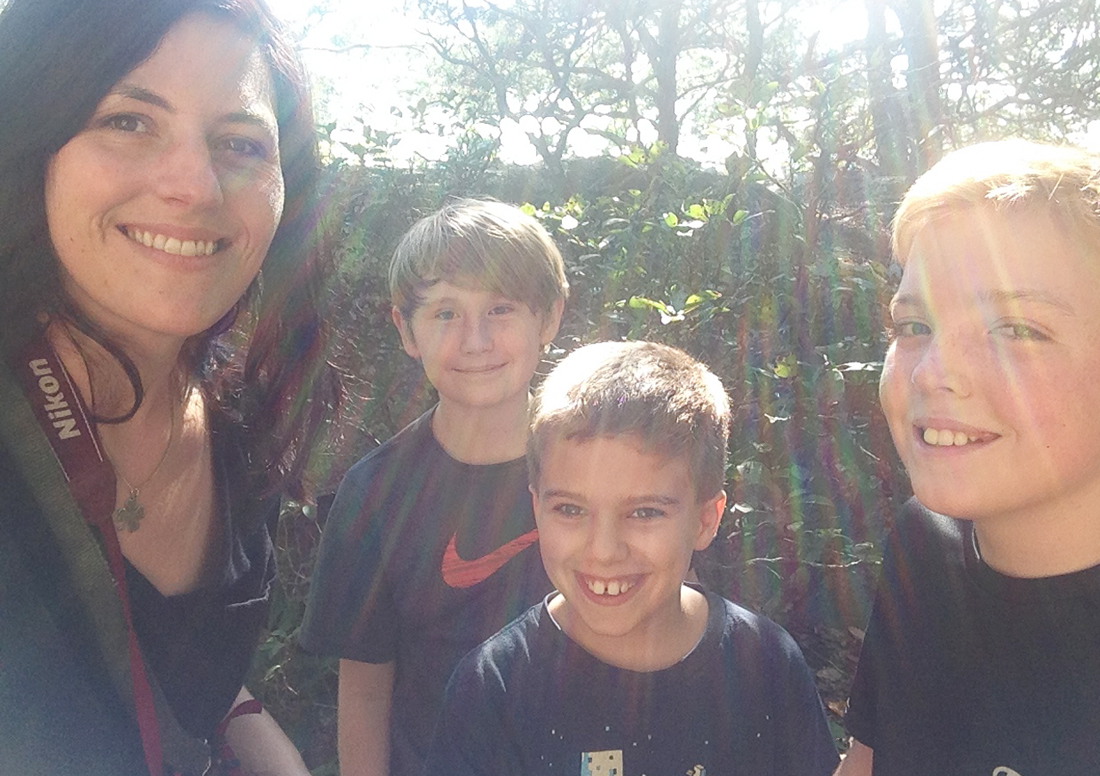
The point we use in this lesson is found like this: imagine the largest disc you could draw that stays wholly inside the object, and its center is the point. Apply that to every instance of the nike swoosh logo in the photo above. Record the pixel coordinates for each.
(459, 573)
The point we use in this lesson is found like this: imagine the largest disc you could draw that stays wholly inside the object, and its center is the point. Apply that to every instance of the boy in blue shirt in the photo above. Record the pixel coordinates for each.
(626, 669)
(982, 656)
(428, 546)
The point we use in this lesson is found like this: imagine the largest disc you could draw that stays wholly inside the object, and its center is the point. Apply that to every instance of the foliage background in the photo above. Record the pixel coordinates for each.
(773, 270)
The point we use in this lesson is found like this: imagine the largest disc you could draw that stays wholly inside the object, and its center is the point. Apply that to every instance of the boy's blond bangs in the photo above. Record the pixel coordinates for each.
(480, 243)
(671, 402)
(1061, 181)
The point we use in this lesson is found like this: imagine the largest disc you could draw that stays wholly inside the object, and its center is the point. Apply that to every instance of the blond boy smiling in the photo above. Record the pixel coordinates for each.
(983, 653)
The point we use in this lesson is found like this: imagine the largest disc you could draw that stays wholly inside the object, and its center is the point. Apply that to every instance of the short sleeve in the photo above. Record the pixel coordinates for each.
(860, 718)
(350, 613)
(805, 744)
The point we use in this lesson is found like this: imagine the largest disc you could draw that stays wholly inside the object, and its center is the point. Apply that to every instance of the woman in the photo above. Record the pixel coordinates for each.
(154, 156)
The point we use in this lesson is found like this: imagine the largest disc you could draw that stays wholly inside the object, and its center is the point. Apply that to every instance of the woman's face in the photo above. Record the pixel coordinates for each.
(162, 208)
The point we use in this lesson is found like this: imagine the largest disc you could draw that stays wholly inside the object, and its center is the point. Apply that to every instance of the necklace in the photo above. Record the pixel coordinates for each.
(129, 515)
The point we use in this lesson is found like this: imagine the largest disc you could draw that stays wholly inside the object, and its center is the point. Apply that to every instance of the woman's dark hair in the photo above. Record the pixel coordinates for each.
(268, 376)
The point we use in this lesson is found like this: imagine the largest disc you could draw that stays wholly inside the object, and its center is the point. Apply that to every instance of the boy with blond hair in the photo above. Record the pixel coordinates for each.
(625, 669)
(983, 652)
(427, 549)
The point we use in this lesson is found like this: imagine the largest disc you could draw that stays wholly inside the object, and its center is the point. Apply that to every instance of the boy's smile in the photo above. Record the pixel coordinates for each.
(991, 386)
(617, 528)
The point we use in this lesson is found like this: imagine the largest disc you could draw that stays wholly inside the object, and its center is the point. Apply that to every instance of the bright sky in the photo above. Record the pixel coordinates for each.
(383, 61)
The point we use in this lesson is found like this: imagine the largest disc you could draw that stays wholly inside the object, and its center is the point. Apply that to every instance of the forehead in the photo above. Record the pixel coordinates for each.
(204, 62)
(984, 255)
(463, 289)
(584, 465)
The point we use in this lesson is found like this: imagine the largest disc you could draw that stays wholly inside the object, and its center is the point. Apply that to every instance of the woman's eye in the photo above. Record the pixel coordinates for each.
(245, 147)
(124, 122)
(911, 329)
(502, 309)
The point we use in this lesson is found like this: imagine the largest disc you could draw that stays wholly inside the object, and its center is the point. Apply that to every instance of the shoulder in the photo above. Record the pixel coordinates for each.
(381, 473)
(919, 529)
(924, 550)
(406, 447)
(742, 629)
(509, 654)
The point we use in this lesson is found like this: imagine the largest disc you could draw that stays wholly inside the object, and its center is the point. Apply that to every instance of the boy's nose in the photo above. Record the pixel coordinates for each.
(476, 337)
(605, 541)
(945, 365)
(186, 174)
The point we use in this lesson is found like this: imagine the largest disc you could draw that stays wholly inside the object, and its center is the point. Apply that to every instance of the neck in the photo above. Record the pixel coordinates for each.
(482, 436)
(662, 644)
(1040, 545)
(104, 384)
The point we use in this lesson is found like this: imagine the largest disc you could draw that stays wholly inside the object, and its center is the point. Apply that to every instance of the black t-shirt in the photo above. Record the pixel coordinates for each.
(201, 644)
(530, 700)
(967, 671)
(61, 711)
(423, 557)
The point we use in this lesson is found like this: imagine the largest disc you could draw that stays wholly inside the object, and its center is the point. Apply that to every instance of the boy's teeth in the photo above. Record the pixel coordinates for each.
(172, 245)
(946, 438)
(612, 587)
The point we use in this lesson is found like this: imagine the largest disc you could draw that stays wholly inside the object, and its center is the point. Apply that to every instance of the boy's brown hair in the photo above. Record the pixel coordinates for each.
(495, 245)
(1062, 181)
(673, 403)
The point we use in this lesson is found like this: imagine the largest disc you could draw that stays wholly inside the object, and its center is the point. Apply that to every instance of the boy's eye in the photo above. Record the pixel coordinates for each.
(1022, 332)
(445, 315)
(647, 513)
(567, 510)
(502, 309)
(903, 329)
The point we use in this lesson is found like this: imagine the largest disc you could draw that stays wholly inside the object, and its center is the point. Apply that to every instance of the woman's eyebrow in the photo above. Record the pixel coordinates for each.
(142, 95)
(243, 116)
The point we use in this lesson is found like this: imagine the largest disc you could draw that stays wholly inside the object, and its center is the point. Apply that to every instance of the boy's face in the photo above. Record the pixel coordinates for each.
(991, 386)
(617, 528)
(478, 349)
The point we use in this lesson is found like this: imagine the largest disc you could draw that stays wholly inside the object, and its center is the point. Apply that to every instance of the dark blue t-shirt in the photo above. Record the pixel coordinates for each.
(532, 701)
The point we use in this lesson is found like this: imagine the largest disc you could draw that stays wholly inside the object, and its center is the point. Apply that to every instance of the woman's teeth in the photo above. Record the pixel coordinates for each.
(611, 587)
(945, 438)
(173, 245)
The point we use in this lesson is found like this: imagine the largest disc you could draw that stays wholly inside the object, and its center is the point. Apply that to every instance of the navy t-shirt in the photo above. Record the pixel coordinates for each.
(532, 701)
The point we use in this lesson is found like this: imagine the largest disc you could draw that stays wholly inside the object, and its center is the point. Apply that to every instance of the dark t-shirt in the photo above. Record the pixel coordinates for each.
(423, 557)
(532, 701)
(966, 671)
(61, 710)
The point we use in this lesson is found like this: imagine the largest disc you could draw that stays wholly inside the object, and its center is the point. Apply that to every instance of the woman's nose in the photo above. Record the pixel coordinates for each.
(188, 174)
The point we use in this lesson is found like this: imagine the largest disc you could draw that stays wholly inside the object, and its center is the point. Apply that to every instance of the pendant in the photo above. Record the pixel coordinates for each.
(129, 514)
